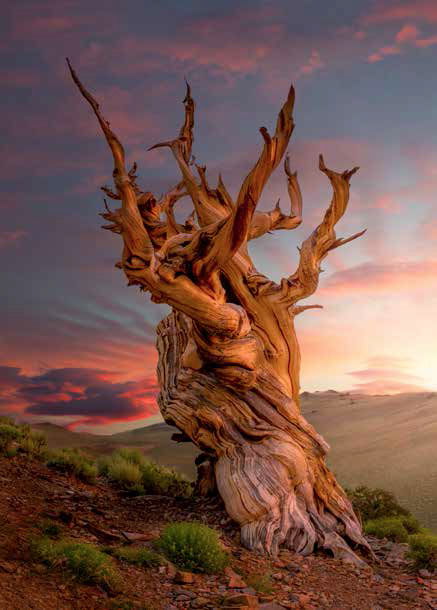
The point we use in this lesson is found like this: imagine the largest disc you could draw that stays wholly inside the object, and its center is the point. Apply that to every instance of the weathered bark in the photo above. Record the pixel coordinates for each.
(229, 358)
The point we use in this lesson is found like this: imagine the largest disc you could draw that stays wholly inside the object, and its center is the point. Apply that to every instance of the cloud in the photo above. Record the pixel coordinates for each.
(8, 238)
(313, 64)
(423, 10)
(77, 395)
(407, 33)
(391, 277)
(387, 375)
(407, 37)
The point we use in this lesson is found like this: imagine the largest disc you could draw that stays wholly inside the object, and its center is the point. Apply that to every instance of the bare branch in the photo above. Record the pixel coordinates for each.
(186, 131)
(272, 152)
(274, 220)
(296, 310)
(139, 247)
(323, 239)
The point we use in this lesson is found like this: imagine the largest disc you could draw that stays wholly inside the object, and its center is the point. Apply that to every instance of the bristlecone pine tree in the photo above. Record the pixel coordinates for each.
(228, 354)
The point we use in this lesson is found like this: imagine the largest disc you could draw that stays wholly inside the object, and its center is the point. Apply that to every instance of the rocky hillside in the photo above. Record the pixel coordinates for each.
(32, 494)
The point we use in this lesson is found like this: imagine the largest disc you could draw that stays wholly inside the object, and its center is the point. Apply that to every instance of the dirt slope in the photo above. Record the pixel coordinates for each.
(29, 491)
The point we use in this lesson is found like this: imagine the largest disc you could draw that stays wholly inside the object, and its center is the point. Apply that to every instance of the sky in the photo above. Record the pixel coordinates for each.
(77, 347)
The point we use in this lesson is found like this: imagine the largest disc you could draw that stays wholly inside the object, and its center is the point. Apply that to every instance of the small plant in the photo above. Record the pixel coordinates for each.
(131, 471)
(84, 561)
(8, 434)
(74, 462)
(193, 546)
(136, 555)
(411, 524)
(375, 503)
(387, 527)
(157, 479)
(125, 474)
(50, 528)
(34, 444)
(261, 582)
(131, 455)
(423, 551)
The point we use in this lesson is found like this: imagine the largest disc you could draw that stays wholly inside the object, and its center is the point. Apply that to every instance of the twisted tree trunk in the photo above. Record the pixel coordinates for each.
(228, 354)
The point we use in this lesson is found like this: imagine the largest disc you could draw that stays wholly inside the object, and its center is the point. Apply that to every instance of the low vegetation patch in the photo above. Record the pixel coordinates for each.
(85, 562)
(193, 546)
(131, 471)
(387, 527)
(20, 438)
(139, 556)
(73, 461)
(262, 583)
(423, 551)
(374, 503)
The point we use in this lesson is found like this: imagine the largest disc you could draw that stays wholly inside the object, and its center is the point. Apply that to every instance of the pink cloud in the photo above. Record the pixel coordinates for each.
(407, 36)
(8, 238)
(407, 33)
(387, 375)
(424, 10)
(386, 203)
(313, 63)
(402, 276)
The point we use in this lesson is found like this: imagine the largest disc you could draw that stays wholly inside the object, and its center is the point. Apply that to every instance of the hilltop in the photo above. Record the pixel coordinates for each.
(380, 441)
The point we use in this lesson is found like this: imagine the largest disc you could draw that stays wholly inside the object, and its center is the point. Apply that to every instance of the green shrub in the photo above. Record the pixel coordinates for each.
(33, 443)
(193, 546)
(131, 455)
(8, 434)
(84, 561)
(157, 479)
(137, 555)
(130, 470)
(387, 527)
(74, 462)
(375, 503)
(411, 524)
(423, 551)
(125, 474)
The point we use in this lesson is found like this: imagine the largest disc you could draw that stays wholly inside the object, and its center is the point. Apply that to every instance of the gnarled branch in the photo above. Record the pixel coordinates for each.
(323, 239)
(138, 247)
(272, 152)
(274, 220)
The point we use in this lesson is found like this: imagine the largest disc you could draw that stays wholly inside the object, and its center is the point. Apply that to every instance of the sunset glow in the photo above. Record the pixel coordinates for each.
(77, 347)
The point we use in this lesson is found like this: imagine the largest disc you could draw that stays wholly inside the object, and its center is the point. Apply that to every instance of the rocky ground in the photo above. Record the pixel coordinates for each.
(29, 492)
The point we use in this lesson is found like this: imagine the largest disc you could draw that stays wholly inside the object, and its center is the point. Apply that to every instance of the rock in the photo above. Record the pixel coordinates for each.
(200, 602)
(242, 601)
(171, 570)
(249, 590)
(271, 606)
(7, 567)
(184, 578)
(137, 536)
(235, 581)
(425, 573)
